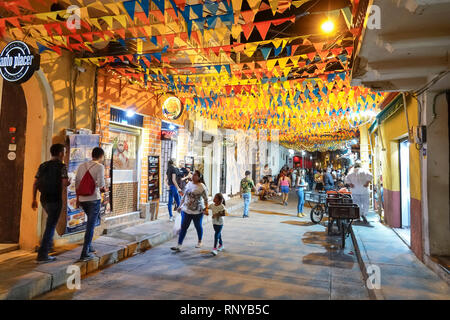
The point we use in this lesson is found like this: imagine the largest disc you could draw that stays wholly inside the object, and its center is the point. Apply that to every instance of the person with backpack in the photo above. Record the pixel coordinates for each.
(89, 182)
(50, 180)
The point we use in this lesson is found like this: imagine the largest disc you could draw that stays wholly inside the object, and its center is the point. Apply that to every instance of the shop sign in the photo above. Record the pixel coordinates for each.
(18, 62)
(172, 108)
(167, 134)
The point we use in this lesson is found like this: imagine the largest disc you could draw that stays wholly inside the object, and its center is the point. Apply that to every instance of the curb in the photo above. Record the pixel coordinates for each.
(363, 261)
(48, 277)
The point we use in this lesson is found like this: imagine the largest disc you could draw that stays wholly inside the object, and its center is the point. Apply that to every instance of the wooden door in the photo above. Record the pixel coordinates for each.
(13, 114)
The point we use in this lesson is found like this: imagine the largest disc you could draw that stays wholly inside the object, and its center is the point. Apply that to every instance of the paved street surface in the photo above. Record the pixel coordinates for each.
(271, 255)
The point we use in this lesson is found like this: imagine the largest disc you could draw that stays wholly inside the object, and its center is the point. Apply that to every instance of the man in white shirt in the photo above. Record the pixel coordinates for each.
(91, 203)
(359, 180)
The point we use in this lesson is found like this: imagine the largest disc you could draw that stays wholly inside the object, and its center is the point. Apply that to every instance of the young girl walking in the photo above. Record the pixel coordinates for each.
(218, 212)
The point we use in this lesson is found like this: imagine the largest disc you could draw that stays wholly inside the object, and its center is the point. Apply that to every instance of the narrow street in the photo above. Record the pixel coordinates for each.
(271, 255)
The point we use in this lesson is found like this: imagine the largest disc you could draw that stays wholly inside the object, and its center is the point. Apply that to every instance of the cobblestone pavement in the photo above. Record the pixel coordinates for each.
(271, 255)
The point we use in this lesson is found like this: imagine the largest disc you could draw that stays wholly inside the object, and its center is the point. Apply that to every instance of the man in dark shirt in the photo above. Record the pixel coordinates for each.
(50, 180)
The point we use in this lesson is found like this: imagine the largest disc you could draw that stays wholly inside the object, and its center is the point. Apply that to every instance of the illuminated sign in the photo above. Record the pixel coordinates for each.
(18, 62)
(172, 108)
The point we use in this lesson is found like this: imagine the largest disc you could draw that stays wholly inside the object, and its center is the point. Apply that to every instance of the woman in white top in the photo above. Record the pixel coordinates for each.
(194, 204)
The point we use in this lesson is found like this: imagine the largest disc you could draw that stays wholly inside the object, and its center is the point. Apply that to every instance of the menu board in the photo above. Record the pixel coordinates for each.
(106, 203)
(153, 178)
(80, 151)
(189, 163)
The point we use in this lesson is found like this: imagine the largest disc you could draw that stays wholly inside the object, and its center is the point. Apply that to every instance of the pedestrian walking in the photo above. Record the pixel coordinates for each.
(301, 185)
(218, 212)
(51, 179)
(89, 183)
(318, 178)
(247, 186)
(328, 181)
(283, 187)
(194, 204)
(359, 180)
(171, 178)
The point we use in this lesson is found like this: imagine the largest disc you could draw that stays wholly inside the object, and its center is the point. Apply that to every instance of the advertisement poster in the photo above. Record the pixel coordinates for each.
(106, 205)
(153, 178)
(189, 163)
(80, 151)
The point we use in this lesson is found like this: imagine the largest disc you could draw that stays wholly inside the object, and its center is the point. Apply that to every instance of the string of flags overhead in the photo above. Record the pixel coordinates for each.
(219, 57)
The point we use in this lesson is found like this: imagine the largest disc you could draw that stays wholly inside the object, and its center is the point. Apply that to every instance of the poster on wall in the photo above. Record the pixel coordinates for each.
(153, 178)
(106, 204)
(80, 151)
(123, 150)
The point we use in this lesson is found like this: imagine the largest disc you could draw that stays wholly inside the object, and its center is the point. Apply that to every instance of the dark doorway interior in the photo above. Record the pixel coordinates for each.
(13, 121)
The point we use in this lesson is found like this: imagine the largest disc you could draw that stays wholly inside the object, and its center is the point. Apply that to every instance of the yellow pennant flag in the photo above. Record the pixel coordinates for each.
(250, 49)
(298, 3)
(274, 5)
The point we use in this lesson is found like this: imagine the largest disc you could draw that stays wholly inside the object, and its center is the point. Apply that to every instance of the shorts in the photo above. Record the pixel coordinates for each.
(284, 189)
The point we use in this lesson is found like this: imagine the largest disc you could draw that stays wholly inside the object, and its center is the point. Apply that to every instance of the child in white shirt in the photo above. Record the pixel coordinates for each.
(218, 212)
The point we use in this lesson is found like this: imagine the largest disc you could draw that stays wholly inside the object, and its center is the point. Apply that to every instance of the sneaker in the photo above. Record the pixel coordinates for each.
(214, 252)
(199, 244)
(87, 257)
(176, 248)
(220, 248)
(45, 259)
(245, 217)
(171, 219)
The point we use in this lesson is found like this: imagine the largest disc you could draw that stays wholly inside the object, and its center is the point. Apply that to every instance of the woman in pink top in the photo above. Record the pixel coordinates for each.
(283, 184)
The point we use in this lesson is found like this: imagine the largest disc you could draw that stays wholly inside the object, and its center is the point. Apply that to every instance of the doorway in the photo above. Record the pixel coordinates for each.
(13, 120)
(168, 151)
(405, 192)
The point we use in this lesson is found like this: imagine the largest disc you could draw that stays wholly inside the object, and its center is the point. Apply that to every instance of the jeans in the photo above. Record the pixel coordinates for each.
(173, 193)
(92, 210)
(53, 210)
(301, 200)
(247, 197)
(186, 222)
(217, 234)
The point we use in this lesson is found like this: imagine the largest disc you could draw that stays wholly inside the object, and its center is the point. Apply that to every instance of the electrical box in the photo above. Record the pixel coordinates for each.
(420, 134)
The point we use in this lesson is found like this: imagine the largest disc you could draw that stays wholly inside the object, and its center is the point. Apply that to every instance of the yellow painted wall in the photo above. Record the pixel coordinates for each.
(392, 130)
(36, 119)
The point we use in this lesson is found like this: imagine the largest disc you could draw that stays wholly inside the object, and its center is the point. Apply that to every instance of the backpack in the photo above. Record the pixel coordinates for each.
(87, 184)
(49, 182)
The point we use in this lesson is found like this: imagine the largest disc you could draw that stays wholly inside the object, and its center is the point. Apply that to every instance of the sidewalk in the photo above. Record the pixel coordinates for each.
(22, 278)
(403, 275)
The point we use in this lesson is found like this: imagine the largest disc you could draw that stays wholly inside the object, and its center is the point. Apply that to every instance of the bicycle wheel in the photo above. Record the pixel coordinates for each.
(317, 214)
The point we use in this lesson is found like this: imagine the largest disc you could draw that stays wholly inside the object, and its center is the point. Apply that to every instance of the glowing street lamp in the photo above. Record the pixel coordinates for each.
(327, 26)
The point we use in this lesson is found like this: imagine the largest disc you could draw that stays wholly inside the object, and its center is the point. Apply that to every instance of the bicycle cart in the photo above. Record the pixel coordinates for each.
(323, 200)
(343, 214)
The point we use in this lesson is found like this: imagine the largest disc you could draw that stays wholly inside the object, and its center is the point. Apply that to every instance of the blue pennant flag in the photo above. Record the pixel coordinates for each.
(212, 21)
(277, 51)
(265, 51)
(41, 47)
(288, 51)
(198, 9)
(144, 5)
(160, 4)
(218, 68)
(130, 7)
(227, 66)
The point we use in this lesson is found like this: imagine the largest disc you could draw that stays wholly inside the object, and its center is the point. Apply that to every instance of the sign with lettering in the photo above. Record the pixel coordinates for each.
(18, 62)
